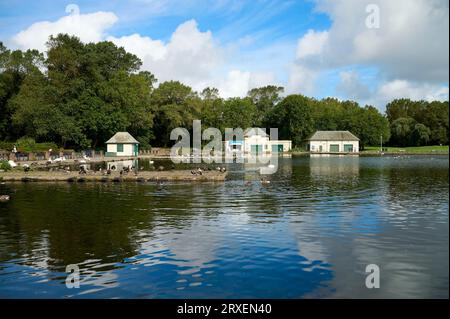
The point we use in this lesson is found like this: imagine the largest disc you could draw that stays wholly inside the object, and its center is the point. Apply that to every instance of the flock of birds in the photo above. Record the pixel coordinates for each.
(83, 170)
(199, 171)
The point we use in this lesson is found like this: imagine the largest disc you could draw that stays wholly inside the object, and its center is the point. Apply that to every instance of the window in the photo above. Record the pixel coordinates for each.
(334, 148)
(119, 147)
(348, 147)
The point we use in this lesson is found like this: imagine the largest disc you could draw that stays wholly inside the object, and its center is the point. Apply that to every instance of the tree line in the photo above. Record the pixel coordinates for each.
(78, 95)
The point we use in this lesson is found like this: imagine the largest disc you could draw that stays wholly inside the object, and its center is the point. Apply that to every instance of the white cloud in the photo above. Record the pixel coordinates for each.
(352, 87)
(412, 33)
(302, 79)
(144, 47)
(190, 56)
(237, 83)
(195, 58)
(88, 27)
(312, 43)
(400, 88)
(410, 49)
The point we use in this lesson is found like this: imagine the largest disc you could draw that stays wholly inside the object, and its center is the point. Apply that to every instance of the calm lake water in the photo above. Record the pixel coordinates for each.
(310, 233)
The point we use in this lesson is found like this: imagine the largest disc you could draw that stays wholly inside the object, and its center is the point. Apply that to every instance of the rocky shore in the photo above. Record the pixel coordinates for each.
(142, 176)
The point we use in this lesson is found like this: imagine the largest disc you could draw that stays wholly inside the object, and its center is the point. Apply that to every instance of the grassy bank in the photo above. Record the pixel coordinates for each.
(435, 149)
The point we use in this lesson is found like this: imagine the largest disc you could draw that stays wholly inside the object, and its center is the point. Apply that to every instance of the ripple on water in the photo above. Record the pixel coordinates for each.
(309, 233)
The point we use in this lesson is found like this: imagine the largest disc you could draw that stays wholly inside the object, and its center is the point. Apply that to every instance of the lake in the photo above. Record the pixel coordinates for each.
(310, 233)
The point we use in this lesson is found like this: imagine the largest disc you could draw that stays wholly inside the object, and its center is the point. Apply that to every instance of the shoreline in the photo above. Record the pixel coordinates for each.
(374, 154)
(143, 176)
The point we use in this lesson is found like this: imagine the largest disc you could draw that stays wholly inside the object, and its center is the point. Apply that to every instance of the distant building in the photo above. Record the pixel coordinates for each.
(333, 142)
(256, 142)
(122, 144)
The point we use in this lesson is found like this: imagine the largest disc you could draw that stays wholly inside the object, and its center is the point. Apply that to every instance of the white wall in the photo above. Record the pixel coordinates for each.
(315, 145)
(256, 140)
(127, 149)
(287, 144)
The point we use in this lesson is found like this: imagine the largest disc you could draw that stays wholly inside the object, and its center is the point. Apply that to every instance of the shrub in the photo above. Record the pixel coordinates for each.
(4, 165)
(28, 144)
(7, 146)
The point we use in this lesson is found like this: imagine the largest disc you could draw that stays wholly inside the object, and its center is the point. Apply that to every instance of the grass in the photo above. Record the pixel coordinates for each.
(413, 149)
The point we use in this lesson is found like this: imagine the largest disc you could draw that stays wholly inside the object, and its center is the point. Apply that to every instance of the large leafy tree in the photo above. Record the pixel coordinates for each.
(80, 94)
(238, 113)
(265, 98)
(89, 92)
(293, 118)
(432, 115)
(211, 108)
(175, 105)
(15, 66)
(401, 130)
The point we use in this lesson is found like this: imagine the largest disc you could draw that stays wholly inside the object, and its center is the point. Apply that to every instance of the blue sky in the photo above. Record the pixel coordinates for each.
(318, 48)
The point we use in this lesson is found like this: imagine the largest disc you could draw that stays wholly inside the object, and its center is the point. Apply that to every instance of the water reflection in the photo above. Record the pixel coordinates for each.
(310, 233)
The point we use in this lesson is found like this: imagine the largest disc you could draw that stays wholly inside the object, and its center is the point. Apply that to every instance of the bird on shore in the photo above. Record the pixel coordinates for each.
(26, 168)
(4, 198)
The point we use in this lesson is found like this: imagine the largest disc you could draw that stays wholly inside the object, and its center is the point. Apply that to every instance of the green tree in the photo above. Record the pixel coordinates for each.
(175, 105)
(293, 118)
(15, 66)
(238, 113)
(420, 135)
(211, 108)
(90, 91)
(401, 131)
(264, 98)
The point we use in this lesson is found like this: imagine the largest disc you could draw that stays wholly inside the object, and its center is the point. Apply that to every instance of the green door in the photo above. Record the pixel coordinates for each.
(348, 148)
(136, 149)
(256, 149)
(334, 148)
(277, 148)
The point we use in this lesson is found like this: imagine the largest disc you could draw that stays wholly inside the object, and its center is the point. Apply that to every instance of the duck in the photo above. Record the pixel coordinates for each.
(4, 198)
(265, 181)
(12, 163)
